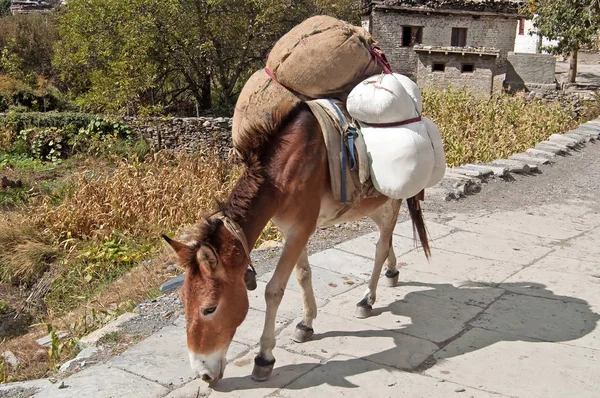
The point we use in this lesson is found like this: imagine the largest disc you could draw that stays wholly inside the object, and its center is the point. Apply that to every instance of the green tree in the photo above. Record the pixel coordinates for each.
(4, 7)
(573, 23)
(128, 54)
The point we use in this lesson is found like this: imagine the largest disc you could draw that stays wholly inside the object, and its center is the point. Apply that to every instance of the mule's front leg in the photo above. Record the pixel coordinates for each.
(304, 329)
(264, 361)
(385, 217)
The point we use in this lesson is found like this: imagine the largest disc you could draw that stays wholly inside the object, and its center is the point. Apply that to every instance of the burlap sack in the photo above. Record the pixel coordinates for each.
(261, 107)
(323, 57)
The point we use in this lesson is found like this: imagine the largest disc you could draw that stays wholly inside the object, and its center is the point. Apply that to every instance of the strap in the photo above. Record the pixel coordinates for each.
(342, 120)
(235, 229)
(395, 124)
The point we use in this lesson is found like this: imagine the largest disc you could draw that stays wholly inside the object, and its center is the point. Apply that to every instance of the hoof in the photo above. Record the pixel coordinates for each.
(302, 333)
(363, 311)
(262, 369)
(391, 278)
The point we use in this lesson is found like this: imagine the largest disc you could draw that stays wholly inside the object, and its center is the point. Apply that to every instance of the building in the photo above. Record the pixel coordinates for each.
(526, 41)
(446, 42)
(28, 6)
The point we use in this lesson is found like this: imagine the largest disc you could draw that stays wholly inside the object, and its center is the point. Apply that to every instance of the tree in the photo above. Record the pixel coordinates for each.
(4, 7)
(131, 54)
(573, 23)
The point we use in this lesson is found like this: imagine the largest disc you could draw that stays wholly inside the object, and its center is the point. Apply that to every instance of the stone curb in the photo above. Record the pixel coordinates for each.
(466, 180)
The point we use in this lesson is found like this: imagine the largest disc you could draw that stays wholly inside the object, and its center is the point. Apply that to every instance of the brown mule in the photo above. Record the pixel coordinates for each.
(286, 180)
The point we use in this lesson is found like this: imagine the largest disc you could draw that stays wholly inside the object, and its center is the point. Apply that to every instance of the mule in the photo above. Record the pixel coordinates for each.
(286, 180)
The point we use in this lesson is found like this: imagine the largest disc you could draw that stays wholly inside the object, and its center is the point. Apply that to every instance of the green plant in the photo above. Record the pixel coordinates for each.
(49, 144)
(58, 349)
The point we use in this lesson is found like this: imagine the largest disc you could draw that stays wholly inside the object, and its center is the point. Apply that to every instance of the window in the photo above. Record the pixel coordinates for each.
(521, 26)
(467, 68)
(459, 37)
(411, 35)
(438, 67)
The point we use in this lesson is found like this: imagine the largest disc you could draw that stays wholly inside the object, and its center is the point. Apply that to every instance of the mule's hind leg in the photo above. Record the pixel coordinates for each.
(385, 217)
(304, 329)
(391, 271)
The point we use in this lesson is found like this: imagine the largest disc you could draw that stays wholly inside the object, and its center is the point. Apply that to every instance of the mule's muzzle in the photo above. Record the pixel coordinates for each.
(209, 368)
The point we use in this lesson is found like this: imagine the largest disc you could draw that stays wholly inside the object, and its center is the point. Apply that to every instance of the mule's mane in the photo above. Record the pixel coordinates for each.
(251, 142)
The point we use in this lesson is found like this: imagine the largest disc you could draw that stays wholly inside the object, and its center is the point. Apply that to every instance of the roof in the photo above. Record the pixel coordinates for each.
(477, 6)
(481, 51)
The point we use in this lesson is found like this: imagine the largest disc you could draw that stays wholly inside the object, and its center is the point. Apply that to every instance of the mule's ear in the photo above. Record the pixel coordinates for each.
(207, 257)
(177, 246)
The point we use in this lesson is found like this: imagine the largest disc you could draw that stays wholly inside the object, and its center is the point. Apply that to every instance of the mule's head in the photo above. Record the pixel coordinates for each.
(213, 294)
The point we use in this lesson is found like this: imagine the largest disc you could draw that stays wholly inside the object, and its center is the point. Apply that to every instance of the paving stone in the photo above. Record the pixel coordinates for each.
(172, 284)
(250, 330)
(326, 283)
(350, 262)
(23, 388)
(548, 145)
(463, 267)
(456, 176)
(591, 134)
(466, 171)
(502, 249)
(92, 339)
(102, 381)
(498, 171)
(568, 142)
(583, 248)
(545, 222)
(346, 376)
(237, 382)
(580, 137)
(494, 229)
(46, 341)
(162, 358)
(446, 288)
(529, 159)
(409, 313)
(526, 317)
(556, 285)
(569, 265)
(335, 336)
(365, 246)
(496, 362)
(514, 166)
(435, 230)
(291, 304)
(542, 153)
(194, 389)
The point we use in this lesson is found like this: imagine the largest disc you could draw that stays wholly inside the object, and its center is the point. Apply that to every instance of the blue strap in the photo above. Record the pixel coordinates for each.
(343, 181)
(350, 137)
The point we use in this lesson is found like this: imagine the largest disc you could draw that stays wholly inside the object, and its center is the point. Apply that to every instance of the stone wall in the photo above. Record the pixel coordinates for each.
(190, 134)
(496, 31)
(531, 72)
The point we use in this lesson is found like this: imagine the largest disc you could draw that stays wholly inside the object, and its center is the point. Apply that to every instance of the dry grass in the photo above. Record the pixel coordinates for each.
(139, 199)
(25, 252)
(479, 131)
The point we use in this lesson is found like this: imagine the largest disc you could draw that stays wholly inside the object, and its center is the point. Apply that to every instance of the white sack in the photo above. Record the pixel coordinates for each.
(439, 157)
(380, 99)
(401, 159)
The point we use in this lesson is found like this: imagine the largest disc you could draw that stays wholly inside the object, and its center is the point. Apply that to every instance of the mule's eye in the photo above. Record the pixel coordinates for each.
(208, 311)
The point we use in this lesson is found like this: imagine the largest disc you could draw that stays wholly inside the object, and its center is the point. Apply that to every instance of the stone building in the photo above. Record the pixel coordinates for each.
(446, 42)
(29, 6)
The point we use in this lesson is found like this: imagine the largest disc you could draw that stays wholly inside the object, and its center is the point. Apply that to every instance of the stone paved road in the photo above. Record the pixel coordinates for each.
(508, 307)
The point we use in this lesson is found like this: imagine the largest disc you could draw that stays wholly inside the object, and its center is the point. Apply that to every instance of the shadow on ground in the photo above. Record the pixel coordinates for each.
(525, 311)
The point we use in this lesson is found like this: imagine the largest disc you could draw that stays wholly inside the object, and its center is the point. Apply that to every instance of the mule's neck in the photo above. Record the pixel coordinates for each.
(252, 203)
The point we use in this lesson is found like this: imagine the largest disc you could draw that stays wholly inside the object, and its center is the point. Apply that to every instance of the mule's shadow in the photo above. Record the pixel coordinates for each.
(523, 312)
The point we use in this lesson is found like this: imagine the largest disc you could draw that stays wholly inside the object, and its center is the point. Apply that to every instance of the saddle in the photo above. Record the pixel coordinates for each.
(348, 161)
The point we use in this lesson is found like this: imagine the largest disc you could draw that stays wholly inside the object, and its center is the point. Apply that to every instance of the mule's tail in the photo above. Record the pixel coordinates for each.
(416, 215)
